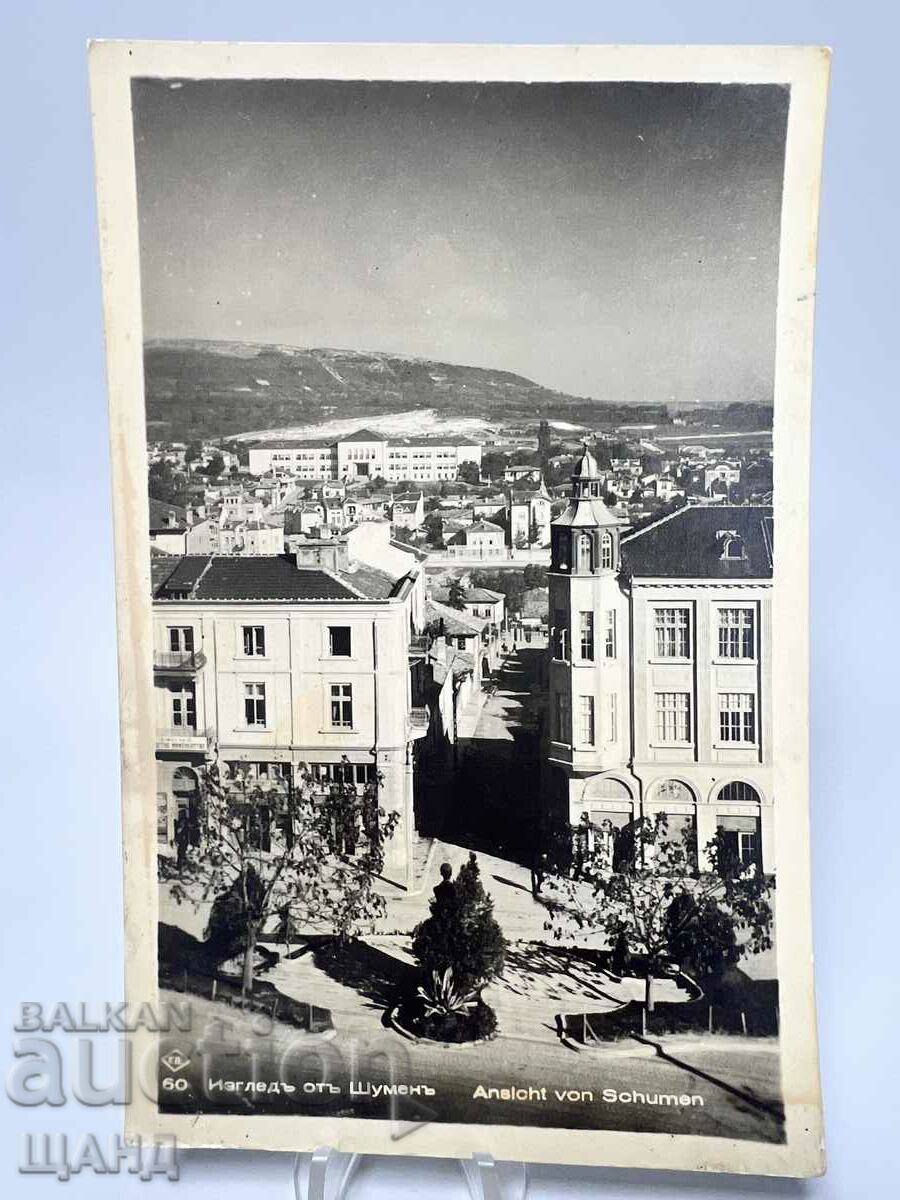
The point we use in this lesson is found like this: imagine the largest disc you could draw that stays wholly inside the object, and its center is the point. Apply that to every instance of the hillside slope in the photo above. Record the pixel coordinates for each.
(198, 389)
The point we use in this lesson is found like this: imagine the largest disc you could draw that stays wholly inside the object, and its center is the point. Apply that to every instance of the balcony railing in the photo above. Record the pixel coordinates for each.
(184, 737)
(178, 661)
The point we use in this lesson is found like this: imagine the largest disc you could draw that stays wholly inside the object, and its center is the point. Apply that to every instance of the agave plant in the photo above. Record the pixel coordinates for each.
(444, 998)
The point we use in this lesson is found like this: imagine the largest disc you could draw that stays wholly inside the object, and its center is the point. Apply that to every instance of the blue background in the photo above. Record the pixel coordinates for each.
(61, 875)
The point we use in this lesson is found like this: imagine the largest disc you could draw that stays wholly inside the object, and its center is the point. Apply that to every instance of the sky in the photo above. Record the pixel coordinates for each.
(618, 241)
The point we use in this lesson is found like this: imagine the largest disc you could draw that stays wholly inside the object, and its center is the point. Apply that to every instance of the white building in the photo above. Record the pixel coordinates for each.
(366, 454)
(278, 665)
(660, 671)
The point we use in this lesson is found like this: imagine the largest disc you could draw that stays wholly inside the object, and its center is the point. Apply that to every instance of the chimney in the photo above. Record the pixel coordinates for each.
(328, 553)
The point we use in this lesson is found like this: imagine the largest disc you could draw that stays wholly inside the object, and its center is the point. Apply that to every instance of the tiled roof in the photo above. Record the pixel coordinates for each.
(161, 514)
(372, 582)
(474, 595)
(454, 622)
(251, 577)
(363, 435)
(690, 544)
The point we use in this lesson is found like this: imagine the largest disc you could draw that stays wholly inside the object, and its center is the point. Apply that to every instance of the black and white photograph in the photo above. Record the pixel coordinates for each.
(466, 420)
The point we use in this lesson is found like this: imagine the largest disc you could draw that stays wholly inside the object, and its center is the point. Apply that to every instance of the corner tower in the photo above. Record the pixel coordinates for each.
(589, 733)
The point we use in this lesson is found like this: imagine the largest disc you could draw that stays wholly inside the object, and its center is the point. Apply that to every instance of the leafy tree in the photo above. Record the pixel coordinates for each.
(193, 452)
(404, 535)
(660, 902)
(303, 854)
(493, 464)
(461, 934)
(456, 597)
(433, 526)
(215, 466)
(163, 484)
(534, 576)
(544, 443)
(468, 472)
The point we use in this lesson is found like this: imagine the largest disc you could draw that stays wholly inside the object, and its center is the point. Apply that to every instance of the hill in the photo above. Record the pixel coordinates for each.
(199, 389)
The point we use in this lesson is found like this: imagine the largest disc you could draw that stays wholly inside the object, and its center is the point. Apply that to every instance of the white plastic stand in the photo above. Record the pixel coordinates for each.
(327, 1174)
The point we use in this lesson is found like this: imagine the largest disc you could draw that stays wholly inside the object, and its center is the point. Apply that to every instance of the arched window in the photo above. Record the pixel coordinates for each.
(585, 552)
(606, 552)
(673, 791)
(738, 792)
(734, 548)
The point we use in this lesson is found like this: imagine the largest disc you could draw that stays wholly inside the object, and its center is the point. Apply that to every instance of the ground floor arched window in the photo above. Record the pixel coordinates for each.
(739, 832)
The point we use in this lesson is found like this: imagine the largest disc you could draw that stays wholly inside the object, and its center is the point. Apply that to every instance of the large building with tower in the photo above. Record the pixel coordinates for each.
(660, 673)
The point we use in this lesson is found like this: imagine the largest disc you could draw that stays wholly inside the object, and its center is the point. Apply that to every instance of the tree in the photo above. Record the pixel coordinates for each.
(456, 594)
(493, 464)
(533, 531)
(163, 484)
(215, 466)
(468, 472)
(461, 933)
(544, 443)
(401, 534)
(433, 526)
(534, 576)
(193, 452)
(662, 904)
(300, 853)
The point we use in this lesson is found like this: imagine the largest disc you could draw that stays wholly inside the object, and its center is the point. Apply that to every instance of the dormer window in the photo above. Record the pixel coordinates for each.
(732, 545)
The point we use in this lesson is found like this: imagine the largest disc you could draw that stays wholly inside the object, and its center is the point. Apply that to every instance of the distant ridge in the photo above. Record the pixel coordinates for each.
(212, 389)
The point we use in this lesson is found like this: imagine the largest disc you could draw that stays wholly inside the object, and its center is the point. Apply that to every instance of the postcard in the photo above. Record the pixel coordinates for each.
(460, 409)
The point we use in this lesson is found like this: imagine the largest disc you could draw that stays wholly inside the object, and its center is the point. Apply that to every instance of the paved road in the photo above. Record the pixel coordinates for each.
(597, 1087)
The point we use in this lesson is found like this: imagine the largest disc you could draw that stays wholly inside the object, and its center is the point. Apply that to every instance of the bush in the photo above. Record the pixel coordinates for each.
(461, 933)
(476, 1025)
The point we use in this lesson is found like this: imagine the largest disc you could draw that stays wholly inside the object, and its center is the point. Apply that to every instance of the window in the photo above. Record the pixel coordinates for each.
(585, 552)
(606, 552)
(255, 704)
(563, 718)
(734, 547)
(339, 642)
(612, 717)
(184, 709)
(737, 635)
(737, 717)
(738, 793)
(181, 639)
(560, 634)
(609, 633)
(587, 635)
(673, 717)
(586, 720)
(254, 640)
(673, 634)
(342, 705)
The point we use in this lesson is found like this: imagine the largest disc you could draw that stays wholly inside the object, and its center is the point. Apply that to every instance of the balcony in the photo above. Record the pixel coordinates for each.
(418, 722)
(178, 662)
(185, 738)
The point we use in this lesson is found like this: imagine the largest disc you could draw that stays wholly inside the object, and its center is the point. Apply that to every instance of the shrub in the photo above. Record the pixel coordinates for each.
(461, 934)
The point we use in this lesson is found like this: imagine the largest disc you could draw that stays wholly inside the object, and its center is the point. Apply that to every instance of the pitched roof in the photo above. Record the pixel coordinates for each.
(251, 577)
(484, 527)
(473, 595)
(363, 435)
(162, 515)
(372, 582)
(454, 621)
(690, 544)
